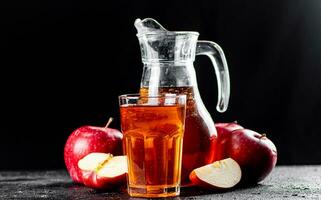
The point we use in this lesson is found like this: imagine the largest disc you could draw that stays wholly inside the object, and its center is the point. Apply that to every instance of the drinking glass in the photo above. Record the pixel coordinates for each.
(153, 128)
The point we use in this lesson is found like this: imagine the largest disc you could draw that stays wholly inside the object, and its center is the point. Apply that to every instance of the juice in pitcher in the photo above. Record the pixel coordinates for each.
(199, 135)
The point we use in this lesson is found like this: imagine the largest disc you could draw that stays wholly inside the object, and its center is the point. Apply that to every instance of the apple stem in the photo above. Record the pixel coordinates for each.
(235, 121)
(109, 121)
(263, 135)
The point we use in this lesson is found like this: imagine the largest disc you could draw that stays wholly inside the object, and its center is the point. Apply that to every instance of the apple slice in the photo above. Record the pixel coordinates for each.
(221, 174)
(103, 171)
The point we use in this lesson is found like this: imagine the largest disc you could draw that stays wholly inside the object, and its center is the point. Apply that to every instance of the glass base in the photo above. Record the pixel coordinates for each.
(153, 191)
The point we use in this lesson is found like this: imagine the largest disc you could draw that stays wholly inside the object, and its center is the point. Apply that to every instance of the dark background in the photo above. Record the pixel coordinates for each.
(63, 64)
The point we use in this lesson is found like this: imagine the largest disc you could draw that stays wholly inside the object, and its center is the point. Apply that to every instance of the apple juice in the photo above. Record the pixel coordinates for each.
(153, 139)
(200, 134)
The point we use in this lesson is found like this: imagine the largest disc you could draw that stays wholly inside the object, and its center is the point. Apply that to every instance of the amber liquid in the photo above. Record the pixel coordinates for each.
(200, 133)
(153, 137)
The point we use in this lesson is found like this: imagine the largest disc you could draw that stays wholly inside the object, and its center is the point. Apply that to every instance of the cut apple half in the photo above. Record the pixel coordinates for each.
(221, 174)
(102, 171)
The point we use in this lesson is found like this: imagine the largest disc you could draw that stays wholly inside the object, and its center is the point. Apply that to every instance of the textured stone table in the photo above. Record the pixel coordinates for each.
(295, 182)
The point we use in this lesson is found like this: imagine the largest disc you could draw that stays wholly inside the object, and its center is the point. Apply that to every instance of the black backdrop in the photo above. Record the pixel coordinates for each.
(63, 64)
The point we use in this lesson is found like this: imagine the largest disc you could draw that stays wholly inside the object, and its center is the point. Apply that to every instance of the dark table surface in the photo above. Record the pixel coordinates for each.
(293, 182)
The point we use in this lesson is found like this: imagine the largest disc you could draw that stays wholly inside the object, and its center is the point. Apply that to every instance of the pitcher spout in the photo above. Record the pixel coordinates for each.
(160, 45)
(148, 25)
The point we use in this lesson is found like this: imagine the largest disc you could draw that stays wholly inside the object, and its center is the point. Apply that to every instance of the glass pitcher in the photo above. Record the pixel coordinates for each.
(168, 68)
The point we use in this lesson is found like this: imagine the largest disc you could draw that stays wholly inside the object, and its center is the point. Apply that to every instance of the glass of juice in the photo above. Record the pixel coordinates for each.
(153, 129)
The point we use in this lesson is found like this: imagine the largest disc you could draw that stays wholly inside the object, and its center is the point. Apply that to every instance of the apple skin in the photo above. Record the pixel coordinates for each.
(255, 153)
(224, 129)
(88, 139)
(93, 180)
(224, 133)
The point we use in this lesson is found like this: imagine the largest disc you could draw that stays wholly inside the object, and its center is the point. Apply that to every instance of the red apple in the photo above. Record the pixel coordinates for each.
(221, 174)
(255, 153)
(103, 171)
(88, 139)
(224, 129)
(224, 133)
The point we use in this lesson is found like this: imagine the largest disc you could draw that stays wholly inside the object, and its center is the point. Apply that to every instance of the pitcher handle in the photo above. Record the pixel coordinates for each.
(216, 54)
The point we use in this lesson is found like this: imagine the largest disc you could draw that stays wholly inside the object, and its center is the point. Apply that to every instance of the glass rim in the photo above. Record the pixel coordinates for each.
(162, 96)
(168, 33)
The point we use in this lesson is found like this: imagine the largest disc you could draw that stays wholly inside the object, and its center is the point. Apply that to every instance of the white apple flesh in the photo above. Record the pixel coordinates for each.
(93, 160)
(221, 174)
(103, 171)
